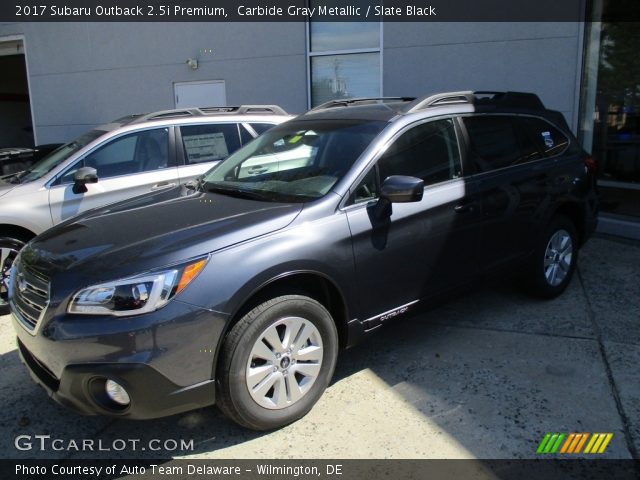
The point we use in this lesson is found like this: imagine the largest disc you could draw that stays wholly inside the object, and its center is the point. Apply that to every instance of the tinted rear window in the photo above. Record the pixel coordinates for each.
(494, 142)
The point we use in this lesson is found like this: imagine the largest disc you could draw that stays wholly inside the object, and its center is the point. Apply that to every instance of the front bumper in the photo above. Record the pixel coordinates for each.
(80, 388)
(165, 359)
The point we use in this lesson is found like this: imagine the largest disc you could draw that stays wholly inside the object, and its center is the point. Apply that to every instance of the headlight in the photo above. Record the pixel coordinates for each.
(135, 295)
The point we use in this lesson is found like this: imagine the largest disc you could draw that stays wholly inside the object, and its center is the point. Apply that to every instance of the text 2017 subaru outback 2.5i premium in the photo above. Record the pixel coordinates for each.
(240, 290)
(127, 157)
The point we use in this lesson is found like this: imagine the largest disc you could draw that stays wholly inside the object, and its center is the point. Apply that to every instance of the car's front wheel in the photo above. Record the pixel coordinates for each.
(276, 362)
(9, 248)
(554, 259)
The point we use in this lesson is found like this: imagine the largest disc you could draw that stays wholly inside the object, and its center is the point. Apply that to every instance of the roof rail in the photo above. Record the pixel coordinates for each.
(486, 98)
(442, 99)
(246, 109)
(346, 102)
(202, 111)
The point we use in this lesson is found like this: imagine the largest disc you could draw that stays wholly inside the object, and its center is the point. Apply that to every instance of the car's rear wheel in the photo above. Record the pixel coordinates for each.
(276, 362)
(554, 259)
(9, 248)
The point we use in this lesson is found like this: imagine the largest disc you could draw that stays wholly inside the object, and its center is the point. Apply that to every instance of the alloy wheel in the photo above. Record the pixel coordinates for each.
(558, 257)
(7, 256)
(284, 363)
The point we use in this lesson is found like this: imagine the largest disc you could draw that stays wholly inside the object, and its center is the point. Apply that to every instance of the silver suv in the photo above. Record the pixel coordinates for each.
(127, 157)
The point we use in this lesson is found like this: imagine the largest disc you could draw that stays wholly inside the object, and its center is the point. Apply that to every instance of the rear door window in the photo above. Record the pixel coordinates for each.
(493, 142)
(209, 143)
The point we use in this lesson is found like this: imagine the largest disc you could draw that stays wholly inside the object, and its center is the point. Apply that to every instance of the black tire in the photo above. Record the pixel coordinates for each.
(538, 275)
(14, 245)
(233, 396)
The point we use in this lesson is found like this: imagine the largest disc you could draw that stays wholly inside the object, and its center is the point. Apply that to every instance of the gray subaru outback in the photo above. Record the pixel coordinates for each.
(240, 288)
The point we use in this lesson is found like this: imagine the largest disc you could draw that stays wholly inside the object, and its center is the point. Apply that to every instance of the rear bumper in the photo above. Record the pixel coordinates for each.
(81, 388)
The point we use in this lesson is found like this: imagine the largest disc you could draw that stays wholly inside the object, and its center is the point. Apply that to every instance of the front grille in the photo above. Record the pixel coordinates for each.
(30, 295)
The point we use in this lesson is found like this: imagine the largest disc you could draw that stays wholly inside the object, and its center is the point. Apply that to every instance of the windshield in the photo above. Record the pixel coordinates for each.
(56, 157)
(294, 162)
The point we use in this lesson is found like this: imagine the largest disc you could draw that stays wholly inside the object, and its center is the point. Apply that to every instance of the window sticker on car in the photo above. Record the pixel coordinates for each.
(548, 141)
(206, 147)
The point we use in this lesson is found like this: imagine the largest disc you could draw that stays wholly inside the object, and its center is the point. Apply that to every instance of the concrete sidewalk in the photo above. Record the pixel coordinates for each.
(484, 376)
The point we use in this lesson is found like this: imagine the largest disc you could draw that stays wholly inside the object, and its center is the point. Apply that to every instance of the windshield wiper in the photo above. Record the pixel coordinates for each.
(13, 178)
(238, 192)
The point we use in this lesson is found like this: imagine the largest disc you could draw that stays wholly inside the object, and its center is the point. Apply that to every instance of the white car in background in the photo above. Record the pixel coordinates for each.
(128, 157)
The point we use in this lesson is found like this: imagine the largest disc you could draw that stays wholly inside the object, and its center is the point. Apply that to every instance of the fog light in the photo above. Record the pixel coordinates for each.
(117, 393)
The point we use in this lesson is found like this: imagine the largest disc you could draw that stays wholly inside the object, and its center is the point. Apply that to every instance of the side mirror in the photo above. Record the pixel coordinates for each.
(402, 189)
(83, 176)
(397, 189)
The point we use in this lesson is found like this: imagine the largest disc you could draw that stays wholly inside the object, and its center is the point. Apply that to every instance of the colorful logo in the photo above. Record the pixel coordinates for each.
(574, 443)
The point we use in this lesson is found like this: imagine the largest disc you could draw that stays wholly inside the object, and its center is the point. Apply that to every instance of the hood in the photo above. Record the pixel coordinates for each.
(152, 231)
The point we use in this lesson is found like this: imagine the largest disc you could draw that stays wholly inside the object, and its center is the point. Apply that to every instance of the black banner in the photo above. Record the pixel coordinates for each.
(316, 10)
(546, 469)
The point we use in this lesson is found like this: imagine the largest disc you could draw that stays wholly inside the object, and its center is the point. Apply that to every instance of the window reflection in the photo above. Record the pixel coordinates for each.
(616, 119)
(344, 76)
(344, 57)
(611, 118)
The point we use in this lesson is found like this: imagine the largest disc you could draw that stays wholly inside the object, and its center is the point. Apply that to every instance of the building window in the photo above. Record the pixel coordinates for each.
(610, 109)
(344, 60)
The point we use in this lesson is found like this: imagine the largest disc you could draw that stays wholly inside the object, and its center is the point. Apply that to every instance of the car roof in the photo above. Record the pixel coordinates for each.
(388, 108)
(380, 111)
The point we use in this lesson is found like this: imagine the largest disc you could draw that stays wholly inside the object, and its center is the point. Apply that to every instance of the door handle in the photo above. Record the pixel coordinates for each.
(465, 207)
(163, 185)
